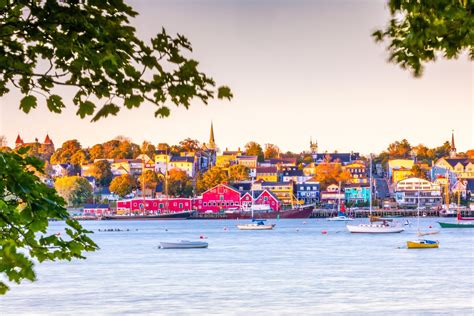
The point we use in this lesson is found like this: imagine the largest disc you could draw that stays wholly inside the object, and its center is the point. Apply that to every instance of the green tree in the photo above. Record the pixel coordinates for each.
(418, 31)
(179, 184)
(254, 149)
(75, 190)
(211, 178)
(271, 151)
(238, 173)
(112, 65)
(122, 185)
(26, 205)
(102, 173)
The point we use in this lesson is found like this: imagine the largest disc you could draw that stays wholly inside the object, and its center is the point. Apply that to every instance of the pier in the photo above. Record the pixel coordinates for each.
(323, 213)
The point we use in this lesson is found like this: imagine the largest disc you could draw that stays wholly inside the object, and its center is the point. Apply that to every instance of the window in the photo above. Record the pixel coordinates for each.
(205, 203)
(221, 197)
(265, 198)
(180, 205)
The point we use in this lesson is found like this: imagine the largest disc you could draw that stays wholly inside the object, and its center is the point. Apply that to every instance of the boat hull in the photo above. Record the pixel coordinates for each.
(167, 216)
(422, 244)
(456, 225)
(374, 229)
(255, 227)
(340, 219)
(183, 245)
(288, 214)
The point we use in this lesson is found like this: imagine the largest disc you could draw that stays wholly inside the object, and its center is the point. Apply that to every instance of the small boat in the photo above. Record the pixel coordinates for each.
(422, 243)
(183, 244)
(456, 225)
(341, 214)
(257, 224)
(383, 228)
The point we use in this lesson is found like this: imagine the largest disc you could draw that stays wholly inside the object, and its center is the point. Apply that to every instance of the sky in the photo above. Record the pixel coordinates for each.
(298, 69)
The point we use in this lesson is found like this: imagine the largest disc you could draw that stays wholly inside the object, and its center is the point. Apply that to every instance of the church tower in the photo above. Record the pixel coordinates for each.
(212, 141)
(313, 146)
(452, 152)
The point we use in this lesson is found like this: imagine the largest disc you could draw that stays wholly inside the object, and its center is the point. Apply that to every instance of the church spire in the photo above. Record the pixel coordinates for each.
(212, 141)
(452, 153)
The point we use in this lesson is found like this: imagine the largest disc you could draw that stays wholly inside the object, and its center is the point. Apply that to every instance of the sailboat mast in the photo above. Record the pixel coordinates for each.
(143, 185)
(370, 185)
(339, 199)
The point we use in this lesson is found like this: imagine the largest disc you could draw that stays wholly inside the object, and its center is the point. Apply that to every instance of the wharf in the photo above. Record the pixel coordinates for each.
(323, 213)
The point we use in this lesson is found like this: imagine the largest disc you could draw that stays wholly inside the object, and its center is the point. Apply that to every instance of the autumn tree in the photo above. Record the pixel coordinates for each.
(66, 151)
(149, 179)
(271, 151)
(102, 172)
(331, 173)
(399, 149)
(254, 149)
(211, 178)
(443, 150)
(79, 157)
(148, 149)
(470, 153)
(418, 172)
(75, 190)
(96, 152)
(122, 185)
(163, 147)
(420, 31)
(238, 173)
(179, 183)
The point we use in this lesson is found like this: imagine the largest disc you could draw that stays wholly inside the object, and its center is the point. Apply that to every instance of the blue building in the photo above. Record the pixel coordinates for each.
(309, 192)
(357, 193)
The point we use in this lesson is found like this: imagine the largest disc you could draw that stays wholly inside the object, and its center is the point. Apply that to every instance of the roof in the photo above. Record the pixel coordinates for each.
(96, 206)
(246, 186)
(265, 183)
(247, 158)
(257, 193)
(182, 159)
(342, 157)
(293, 173)
(48, 140)
(356, 185)
(289, 160)
(267, 169)
(454, 161)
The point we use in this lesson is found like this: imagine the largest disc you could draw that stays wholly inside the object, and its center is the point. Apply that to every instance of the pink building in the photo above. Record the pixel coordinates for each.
(220, 197)
(155, 205)
(95, 209)
(264, 197)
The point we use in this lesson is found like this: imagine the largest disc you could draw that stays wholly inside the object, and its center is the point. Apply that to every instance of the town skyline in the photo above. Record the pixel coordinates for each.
(295, 73)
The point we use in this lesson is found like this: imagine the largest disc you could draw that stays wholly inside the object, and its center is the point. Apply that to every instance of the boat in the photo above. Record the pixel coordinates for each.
(302, 212)
(375, 225)
(341, 214)
(460, 219)
(257, 224)
(161, 216)
(183, 244)
(422, 243)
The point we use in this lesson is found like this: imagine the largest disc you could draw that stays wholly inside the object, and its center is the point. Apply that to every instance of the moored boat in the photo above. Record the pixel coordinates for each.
(456, 225)
(422, 243)
(183, 244)
(300, 212)
(373, 228)
(256, 225)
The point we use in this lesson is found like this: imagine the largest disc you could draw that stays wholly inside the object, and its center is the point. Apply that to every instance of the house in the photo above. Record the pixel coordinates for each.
(308, 192)
(342, 158)
(465, 187)
(401, 174)
(462, 167)
(283, 162)
(184, 163)
(358, 171)
(104, 194)
(249, 162)
(415, 191)
(269, 174)
(149, 163)
(219, 198)
(296, 176)
(332, 195)
(357, 193)
(282, 190)
(399, 164)
(154, 206)
(259, 198)
(242, 185)
(95, 209)
(62, 170)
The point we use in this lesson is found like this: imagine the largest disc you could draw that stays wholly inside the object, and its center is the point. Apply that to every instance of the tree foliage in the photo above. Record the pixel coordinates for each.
(238, 173)
(211, 178)
(122, 185)
(420, 30)
(271, 151)
(254, 149)
(189, 145)
(74, 189)
(331, 173)
(149, 179)
(102, 172)
(179, 184)
(66, 152)
(26, 204)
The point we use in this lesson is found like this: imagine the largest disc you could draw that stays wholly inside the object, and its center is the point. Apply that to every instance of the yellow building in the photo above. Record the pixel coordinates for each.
(462, 167)
(358, 171)
(224, 161)
(401, 174)
(248, 161)
(267, 174)
(283, 190)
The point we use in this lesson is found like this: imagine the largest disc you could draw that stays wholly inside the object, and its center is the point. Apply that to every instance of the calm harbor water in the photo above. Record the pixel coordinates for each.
(294, 269)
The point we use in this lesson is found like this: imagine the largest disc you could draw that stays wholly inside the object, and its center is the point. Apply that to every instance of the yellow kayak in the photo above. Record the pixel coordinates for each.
(422, 243)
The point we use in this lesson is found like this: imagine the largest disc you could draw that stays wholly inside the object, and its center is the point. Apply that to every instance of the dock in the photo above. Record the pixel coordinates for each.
(324, 213)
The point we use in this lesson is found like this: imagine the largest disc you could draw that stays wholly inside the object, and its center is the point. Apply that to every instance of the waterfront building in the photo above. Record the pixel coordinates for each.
(155, 205)
(332, 195)
(308, 192)
(259, 198)
(269, 174)
(357, 193)
(284, 191)
(219, 198)
(96, 209)
(413, 191)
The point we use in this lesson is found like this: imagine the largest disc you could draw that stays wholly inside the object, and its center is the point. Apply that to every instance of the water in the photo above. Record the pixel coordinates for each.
(294, 269)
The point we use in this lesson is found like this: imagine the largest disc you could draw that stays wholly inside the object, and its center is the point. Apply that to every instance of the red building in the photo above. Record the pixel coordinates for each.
(95, 209)
(264, 197)
(155, 205)
(220, 197)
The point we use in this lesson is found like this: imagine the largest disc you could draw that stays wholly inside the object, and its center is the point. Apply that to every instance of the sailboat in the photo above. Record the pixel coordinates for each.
(421, 243)
(256, 224)
(459, 223)
(341, 214)
(375, 225)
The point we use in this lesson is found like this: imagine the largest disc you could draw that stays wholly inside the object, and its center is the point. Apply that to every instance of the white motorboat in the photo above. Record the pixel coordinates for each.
(183, 244)
(256, 225)
(374, 228)
(341, 218)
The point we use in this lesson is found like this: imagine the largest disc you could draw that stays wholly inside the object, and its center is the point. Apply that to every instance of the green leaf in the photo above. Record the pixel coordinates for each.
(27, 103)
(224, 92)
(55, 103)
(85, 108)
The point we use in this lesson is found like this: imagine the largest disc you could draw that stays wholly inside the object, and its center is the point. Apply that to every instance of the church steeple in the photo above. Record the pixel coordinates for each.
(212, 141)
(452, 152)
